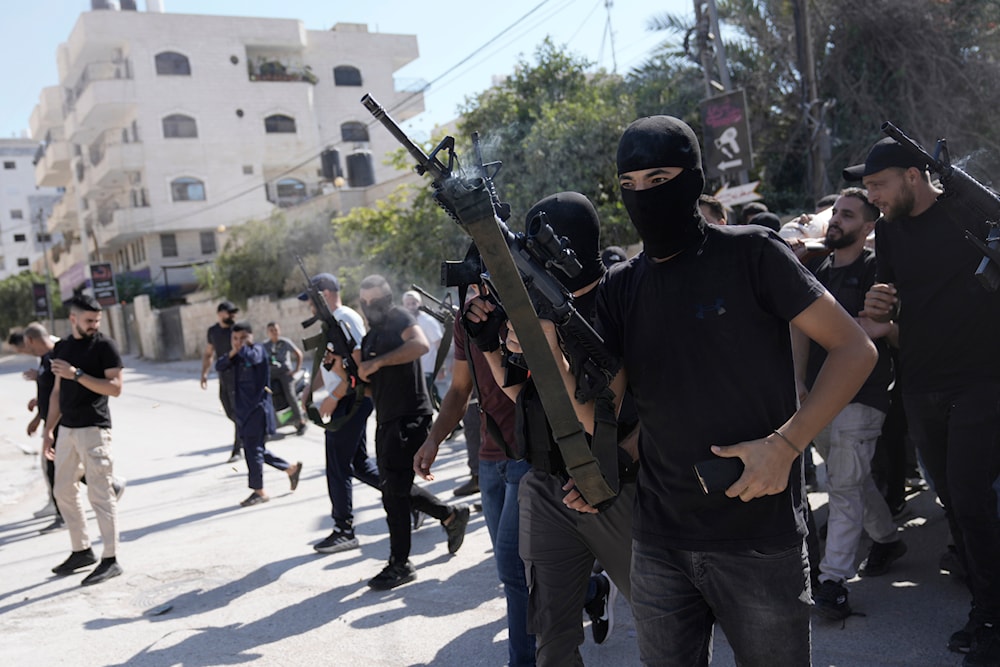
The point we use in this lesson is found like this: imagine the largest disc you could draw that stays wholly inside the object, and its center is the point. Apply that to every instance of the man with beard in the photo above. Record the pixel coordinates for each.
(847, 444)
(948, 328)
(88, 370)
(219, 344)
(736, 558)
(390, 363)
(559, 545)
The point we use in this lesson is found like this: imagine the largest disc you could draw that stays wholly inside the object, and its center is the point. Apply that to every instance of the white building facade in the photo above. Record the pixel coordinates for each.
(168, 129)
(24, 208)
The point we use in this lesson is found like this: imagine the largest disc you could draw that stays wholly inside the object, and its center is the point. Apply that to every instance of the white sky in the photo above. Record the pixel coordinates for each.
(447, 32)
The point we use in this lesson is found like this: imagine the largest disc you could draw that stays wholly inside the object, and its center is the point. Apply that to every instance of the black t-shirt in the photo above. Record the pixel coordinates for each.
(849, 284)
(221, 338)
(948, 323)
(44, 383)
(400, 390)
(80, 407)
(705, 344)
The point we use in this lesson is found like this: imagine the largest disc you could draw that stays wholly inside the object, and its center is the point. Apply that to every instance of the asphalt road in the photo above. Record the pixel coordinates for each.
(209, 583)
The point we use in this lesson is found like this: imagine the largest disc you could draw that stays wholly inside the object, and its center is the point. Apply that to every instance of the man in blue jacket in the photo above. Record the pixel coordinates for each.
(249, 363)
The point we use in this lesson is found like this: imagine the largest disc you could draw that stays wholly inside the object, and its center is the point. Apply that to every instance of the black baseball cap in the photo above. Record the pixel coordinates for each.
(884, 154)
(227, 306)
(322, 281)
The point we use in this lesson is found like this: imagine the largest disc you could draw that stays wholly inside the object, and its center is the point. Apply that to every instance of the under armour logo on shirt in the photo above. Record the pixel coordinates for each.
(718, 308)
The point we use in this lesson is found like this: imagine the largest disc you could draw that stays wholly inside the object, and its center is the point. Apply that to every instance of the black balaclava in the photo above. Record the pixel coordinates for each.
(572, 215)
(666, 216)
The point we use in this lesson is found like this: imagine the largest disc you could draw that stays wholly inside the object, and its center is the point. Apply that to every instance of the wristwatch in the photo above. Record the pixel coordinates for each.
(77, 374)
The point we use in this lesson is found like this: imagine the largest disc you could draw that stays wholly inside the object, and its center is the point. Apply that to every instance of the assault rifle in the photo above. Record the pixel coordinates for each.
(980, 200)
(514, 271)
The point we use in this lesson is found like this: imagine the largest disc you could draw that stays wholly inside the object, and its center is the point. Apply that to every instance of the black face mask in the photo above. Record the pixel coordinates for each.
(667, 216)
(377, 311)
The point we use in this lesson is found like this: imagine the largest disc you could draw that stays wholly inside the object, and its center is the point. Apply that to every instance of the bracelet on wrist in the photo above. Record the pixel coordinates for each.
(788, 442)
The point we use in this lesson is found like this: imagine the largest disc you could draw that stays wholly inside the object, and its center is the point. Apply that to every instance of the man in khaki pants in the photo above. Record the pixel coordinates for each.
(88, 369)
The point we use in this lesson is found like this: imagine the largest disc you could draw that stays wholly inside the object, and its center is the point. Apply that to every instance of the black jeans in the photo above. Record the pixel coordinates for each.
(958, 436)
(396, 442)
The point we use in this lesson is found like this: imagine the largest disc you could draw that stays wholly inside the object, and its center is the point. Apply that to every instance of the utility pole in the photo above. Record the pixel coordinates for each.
(812, 107)
(707, 8)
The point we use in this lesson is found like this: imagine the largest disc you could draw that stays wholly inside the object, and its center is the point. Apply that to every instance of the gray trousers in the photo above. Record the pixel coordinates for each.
(558, 546)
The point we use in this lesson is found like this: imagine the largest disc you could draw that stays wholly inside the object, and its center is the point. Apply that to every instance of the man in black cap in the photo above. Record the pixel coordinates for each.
(948, 325)
(346, 446)
(735, 557)
(87, 369)
(218, 345)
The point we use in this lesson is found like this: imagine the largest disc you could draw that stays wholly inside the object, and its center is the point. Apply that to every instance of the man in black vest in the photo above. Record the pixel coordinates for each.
(88, 370)
(847, 444)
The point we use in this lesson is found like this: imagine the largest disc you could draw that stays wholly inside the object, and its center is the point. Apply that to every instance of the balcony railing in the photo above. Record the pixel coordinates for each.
(273, 70)
(99, 71)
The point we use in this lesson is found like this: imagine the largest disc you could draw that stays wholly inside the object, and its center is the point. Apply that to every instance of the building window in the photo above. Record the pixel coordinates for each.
(179, 126)
(247, 169)
(9, 165)
(346, 75)
(187, 189)
(16, 214)
(353, 131)
(22, 261)
(20, 238)
(168, 245)
(43, 237)
(208, 243)
(173, 64)
(279, 123)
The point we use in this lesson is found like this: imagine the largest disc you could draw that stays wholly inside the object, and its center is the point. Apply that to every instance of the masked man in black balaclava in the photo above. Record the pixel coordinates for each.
(390, 362)
(558, 544)
(701, 322)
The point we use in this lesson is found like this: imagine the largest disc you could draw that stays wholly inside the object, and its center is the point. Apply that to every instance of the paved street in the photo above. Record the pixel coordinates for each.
(209, 583)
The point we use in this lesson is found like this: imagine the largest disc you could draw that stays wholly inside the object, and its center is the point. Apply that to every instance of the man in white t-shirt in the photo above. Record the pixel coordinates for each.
(432, 330)
(346, 448)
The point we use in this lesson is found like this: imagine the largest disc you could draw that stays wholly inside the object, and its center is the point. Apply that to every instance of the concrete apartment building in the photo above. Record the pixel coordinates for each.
(24, 208)
(168, 129)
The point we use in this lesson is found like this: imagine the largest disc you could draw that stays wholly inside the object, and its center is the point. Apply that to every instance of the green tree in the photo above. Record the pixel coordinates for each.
(259, 257)
(17, 307)
(555, 125)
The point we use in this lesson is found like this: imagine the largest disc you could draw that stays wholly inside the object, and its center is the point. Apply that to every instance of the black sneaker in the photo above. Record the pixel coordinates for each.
(76, 560)
(961, 640)
(106, 570)
(418, 518)
(881, 557)
(601, 609)
(469, 488)
(394, 574)
(301, 429)
(337, 541)
(456, 529)
(830, 599)
(985, 650)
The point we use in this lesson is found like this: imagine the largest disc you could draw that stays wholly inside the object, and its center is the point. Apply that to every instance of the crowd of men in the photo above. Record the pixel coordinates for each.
(738, 346)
